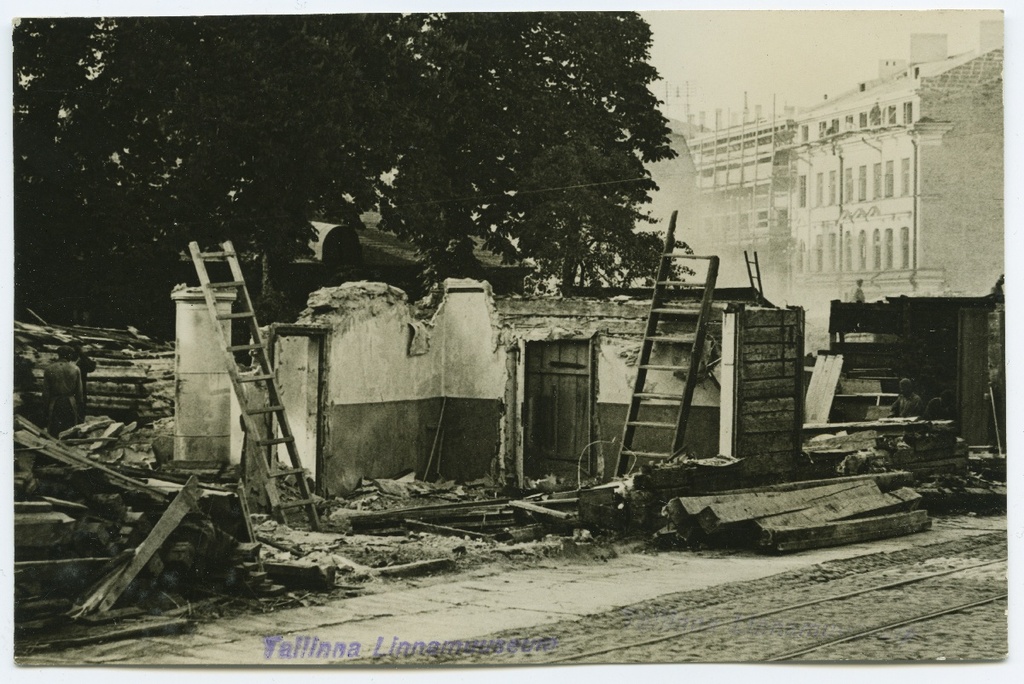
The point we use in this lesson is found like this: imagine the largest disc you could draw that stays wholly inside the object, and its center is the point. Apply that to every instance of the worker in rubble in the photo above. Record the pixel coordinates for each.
(941, 407)
(85, 366)
(908, 403)
(62, 392)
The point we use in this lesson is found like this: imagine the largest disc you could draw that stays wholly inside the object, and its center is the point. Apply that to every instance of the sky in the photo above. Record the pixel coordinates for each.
(711, 58)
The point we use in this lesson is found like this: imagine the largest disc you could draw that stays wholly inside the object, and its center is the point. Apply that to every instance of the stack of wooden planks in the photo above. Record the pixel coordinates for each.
(133, 380)
(794, 517)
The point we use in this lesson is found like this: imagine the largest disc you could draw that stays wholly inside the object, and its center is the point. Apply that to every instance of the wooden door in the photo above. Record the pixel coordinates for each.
(297, 354)
(972, 378)
(558, 409)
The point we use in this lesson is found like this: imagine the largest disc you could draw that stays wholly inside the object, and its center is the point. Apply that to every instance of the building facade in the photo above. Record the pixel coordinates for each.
(898, 183)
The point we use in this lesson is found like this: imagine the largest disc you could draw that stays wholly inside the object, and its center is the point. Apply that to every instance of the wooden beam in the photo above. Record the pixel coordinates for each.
(847, 531)
(114, 585)
(444, 530)
(541, 510)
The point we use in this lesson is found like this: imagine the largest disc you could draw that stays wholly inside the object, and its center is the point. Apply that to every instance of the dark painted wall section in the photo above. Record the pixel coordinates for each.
(701, 431)
(471, 438)
(383, 439)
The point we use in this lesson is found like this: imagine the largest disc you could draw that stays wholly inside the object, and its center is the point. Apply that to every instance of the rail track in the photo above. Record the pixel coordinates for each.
(788, 655)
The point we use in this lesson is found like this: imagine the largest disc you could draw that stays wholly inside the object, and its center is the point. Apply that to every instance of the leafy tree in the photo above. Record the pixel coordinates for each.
(526, 133)
(531, 137)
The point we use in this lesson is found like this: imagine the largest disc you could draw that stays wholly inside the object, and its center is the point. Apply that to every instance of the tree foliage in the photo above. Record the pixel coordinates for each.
(526, 133)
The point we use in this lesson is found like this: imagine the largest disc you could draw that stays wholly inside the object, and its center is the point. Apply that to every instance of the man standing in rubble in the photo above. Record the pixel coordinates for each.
(62, 392)
(85, 366)
(908, 403)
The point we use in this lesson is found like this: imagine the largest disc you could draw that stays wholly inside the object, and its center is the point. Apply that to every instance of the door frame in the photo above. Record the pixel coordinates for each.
(319, 334)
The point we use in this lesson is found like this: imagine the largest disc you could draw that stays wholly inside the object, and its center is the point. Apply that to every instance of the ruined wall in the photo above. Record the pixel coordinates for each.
(380, 403)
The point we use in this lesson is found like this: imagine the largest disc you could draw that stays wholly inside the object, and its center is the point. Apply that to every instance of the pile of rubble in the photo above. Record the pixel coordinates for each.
(133, 380)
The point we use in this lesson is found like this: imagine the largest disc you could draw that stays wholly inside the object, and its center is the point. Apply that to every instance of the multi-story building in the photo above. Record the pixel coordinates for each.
(743, 182)
(899, 182)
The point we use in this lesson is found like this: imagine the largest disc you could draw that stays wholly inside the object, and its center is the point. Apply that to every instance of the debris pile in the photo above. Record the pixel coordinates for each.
(921, 447)
(133, 380)
(95, 545)
(793, 517)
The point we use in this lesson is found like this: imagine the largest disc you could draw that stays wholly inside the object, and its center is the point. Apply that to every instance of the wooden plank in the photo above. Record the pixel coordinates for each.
(886, 482)
(766, 389)
(848, 531)
(770, 421)
(867, 498)
(822, 388)
(769, 352)
(772, 335)
(752, 443)
(302, 575)
(787, 404)
(444, 530)
(541, 510)
(104, 599)
(765, 370)
(417, 568)
(742, 508)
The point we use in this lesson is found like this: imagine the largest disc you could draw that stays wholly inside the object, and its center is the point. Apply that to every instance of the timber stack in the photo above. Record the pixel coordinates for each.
(133, 380)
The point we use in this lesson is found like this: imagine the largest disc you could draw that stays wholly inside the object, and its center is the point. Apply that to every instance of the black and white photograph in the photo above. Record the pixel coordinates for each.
(426, 338)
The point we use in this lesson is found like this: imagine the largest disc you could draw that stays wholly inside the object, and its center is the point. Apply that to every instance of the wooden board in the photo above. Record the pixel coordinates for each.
(848, 531)
(822, 388)
(745, 507)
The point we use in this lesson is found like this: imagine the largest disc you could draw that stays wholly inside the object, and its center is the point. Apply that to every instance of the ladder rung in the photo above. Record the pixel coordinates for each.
(677, 339)
(658, 395)
(254, 378)
(659, 366)
(649, 454)
(683, 283)
(276, 440)
(297, 504)
(265, 409)
(652, 424)
(227, 284)
(229, 316)
(284, 472)
(214, 256)
(244, 347)
(693, 313)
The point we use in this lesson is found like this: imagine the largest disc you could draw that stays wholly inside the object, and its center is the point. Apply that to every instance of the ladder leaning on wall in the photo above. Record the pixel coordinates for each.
(255, 415)
(678, 321)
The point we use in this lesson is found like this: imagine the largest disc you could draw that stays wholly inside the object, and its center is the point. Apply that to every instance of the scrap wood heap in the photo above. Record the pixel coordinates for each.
(96, 545)
(921, 447)
(798, 516)
(133, 380)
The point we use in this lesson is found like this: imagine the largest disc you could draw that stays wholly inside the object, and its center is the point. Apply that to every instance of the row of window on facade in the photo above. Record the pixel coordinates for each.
(882, 184)
(883, 255)
(871, 118)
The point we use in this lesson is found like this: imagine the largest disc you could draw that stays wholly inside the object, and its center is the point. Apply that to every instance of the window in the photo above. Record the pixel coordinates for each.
(888, 248)
(832, 249)
(863, 120)
(848, 192)
(862, 184)
(891, 114)
(834, 126)
(876, 181)
(801, 256)
(831, 188)
(908, 113)
(904, 247)
(849, 122)
(822, 129)
(905, 176)
(818, 256)
(862, 251)
(848, 249)
(804, 133)
(820, 190)
(875, 116)
(802, 191)
(889, 179)
(876, 248)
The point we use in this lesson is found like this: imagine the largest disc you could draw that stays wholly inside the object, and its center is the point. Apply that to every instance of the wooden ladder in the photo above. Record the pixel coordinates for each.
(677, 303)
(259, 418)
(754, 272)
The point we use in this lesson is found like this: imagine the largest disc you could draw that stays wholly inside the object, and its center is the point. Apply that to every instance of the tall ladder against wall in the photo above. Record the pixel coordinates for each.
(678, 319)
(255, 415)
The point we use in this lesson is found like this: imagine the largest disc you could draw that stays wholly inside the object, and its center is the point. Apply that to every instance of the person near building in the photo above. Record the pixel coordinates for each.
(85, 366)
(62, 392)
(908, 403)
(942, 407)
